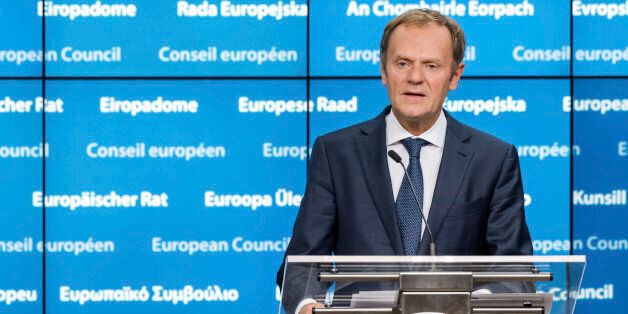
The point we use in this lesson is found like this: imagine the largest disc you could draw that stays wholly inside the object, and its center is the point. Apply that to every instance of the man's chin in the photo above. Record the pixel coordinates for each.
(419, 116)
(415, 115)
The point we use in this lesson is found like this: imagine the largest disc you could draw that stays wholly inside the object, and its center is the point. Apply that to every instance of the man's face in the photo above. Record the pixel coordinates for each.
(418, 73)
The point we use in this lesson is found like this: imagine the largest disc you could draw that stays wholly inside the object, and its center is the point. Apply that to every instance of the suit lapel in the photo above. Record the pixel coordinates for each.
(371, 148)
(453, 167)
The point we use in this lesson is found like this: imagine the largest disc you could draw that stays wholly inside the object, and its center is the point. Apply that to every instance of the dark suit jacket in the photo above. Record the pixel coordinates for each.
(348, 206)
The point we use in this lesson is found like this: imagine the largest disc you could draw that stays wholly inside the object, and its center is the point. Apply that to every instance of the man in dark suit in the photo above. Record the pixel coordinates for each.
(358, 201)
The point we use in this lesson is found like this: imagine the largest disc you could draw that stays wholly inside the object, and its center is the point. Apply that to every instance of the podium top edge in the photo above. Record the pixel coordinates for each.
(435, 259)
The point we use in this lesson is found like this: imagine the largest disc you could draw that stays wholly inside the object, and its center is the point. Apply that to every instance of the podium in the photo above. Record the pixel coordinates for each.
(433, 284)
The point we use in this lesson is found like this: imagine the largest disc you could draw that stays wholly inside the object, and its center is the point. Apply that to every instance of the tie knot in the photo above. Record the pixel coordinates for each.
(413, 145)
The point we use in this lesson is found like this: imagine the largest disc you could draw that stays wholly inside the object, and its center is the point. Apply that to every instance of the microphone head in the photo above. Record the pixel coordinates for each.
(393, 154)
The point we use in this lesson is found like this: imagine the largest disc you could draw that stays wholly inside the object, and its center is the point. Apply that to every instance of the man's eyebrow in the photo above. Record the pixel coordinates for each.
(397, 57)
(432, 60)
(400, 57)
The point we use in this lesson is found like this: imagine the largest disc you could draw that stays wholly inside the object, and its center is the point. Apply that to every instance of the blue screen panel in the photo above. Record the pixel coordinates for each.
(503, 37)
(21, 160)
(599, 37)
(599, 191)
(179, 183)
(20, 39)
(176, 38)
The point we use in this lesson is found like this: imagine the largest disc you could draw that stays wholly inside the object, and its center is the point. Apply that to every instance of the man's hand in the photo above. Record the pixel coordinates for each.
(307, 309)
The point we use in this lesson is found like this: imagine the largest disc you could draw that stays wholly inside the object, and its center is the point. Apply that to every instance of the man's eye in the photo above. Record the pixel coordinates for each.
(402, 64)
(432, 66)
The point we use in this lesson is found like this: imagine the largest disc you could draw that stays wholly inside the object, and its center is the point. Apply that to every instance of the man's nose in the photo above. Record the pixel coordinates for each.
(416, 75)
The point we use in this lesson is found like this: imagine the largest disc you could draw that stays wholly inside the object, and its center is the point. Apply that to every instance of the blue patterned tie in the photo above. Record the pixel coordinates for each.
(408, 215)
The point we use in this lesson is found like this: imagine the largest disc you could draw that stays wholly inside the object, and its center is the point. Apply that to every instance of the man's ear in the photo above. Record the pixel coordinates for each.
(382, 71)
(456, 77)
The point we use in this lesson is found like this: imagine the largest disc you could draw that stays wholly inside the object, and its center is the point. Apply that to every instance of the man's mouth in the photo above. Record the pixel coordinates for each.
(414, 94)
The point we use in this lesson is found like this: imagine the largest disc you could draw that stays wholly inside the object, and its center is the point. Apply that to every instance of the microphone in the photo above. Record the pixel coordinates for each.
(396, 158)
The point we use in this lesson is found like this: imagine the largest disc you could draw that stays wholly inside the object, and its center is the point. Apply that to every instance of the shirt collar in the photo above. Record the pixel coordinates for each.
(435, 135)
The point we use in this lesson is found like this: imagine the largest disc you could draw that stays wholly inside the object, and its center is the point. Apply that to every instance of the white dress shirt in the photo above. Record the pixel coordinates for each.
(431, 156)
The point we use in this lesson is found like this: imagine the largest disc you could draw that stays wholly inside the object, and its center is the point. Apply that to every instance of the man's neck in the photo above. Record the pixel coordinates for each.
(416, 128)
